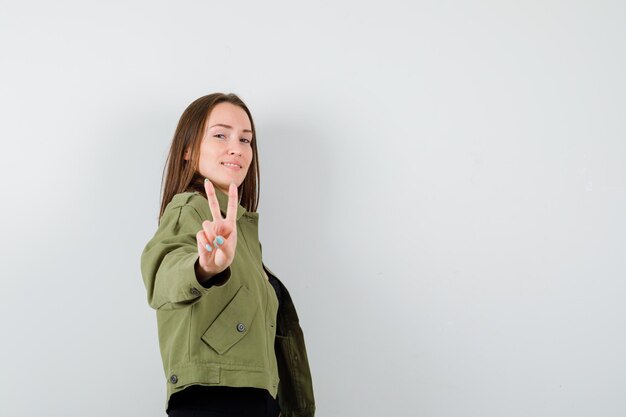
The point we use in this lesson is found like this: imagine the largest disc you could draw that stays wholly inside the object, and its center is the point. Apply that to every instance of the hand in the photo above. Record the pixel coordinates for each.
(220, 235)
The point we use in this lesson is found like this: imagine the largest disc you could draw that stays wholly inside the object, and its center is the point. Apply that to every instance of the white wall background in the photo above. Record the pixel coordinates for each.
(443, 191)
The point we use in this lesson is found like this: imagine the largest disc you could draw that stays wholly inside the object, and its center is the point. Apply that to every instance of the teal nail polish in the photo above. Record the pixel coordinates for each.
(219, 240)
(208, 248)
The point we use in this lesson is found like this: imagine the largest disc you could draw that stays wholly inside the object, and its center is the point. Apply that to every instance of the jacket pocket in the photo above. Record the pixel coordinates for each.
(233, 323)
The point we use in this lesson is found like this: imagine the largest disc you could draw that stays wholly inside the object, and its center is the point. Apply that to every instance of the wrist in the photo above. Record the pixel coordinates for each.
(201, 274)
(208, 279)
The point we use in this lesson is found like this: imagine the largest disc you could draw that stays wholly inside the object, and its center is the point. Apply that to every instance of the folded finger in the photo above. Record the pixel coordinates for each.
(208, 232)
(219, 241)
(203, 244)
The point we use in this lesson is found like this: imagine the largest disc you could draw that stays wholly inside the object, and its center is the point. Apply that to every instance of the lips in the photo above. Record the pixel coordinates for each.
(232, 165)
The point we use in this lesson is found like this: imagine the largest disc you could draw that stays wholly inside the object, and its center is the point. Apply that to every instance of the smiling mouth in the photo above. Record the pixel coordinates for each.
(229, 165)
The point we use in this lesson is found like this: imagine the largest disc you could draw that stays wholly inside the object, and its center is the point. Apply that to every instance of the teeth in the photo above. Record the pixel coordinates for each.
(230, 165)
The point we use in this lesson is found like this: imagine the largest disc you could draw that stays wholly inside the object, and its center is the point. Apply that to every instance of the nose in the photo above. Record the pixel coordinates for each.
(235, 148)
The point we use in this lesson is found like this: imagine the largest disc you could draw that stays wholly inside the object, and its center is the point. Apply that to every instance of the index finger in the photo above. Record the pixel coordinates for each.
(214, 205)
(233, 202)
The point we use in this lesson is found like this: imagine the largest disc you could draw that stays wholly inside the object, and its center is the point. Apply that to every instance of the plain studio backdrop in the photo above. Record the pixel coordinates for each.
(443, 190)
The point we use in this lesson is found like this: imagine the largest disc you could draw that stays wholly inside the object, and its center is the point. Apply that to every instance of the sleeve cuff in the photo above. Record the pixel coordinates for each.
(216, 280)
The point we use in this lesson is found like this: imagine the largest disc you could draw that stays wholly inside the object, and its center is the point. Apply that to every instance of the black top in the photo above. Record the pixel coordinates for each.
(246, 401)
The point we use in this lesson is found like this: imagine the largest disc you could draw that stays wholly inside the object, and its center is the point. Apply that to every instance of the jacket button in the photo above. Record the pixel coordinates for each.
(241, 328)
(173, 379)
(195, 291)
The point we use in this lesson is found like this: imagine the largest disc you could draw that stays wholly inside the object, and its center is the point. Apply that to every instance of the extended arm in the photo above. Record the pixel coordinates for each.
(169, 261)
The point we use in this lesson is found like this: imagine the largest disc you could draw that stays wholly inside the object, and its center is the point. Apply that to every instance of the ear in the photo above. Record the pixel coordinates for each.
(186, 156)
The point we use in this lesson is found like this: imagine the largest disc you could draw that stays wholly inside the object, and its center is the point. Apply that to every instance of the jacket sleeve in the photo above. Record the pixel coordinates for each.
(168, 261)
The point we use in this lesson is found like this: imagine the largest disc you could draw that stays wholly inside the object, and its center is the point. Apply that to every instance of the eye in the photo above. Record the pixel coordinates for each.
(246, 140)
(220, 136)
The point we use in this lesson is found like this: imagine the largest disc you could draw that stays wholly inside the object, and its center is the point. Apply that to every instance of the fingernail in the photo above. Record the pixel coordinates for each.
(208, 248)
(219, 240)
(206, 179)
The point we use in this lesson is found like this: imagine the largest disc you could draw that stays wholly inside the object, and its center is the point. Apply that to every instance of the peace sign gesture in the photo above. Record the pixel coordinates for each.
(217, 240)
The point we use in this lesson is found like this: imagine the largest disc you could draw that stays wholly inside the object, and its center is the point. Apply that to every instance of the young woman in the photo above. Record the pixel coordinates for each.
(228, 331)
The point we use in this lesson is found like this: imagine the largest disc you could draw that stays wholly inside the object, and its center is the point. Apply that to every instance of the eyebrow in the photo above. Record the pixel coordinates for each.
(230, 127)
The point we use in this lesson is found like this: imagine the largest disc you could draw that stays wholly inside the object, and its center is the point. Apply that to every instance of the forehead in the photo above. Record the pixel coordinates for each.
(229, 114)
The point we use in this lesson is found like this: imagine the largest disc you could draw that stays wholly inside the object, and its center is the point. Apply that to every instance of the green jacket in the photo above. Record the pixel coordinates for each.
(230, 334)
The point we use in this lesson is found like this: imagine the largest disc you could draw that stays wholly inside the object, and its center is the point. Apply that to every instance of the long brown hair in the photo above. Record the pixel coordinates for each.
(180, 175)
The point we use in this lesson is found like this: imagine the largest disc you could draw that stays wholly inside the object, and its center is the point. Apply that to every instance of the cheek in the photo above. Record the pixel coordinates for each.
(210, 153)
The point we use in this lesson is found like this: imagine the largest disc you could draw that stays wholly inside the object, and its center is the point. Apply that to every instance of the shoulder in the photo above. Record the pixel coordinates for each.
(182, 199)
(191, 203)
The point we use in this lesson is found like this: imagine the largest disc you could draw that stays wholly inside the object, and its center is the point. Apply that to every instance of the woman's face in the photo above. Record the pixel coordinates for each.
(225, 149)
